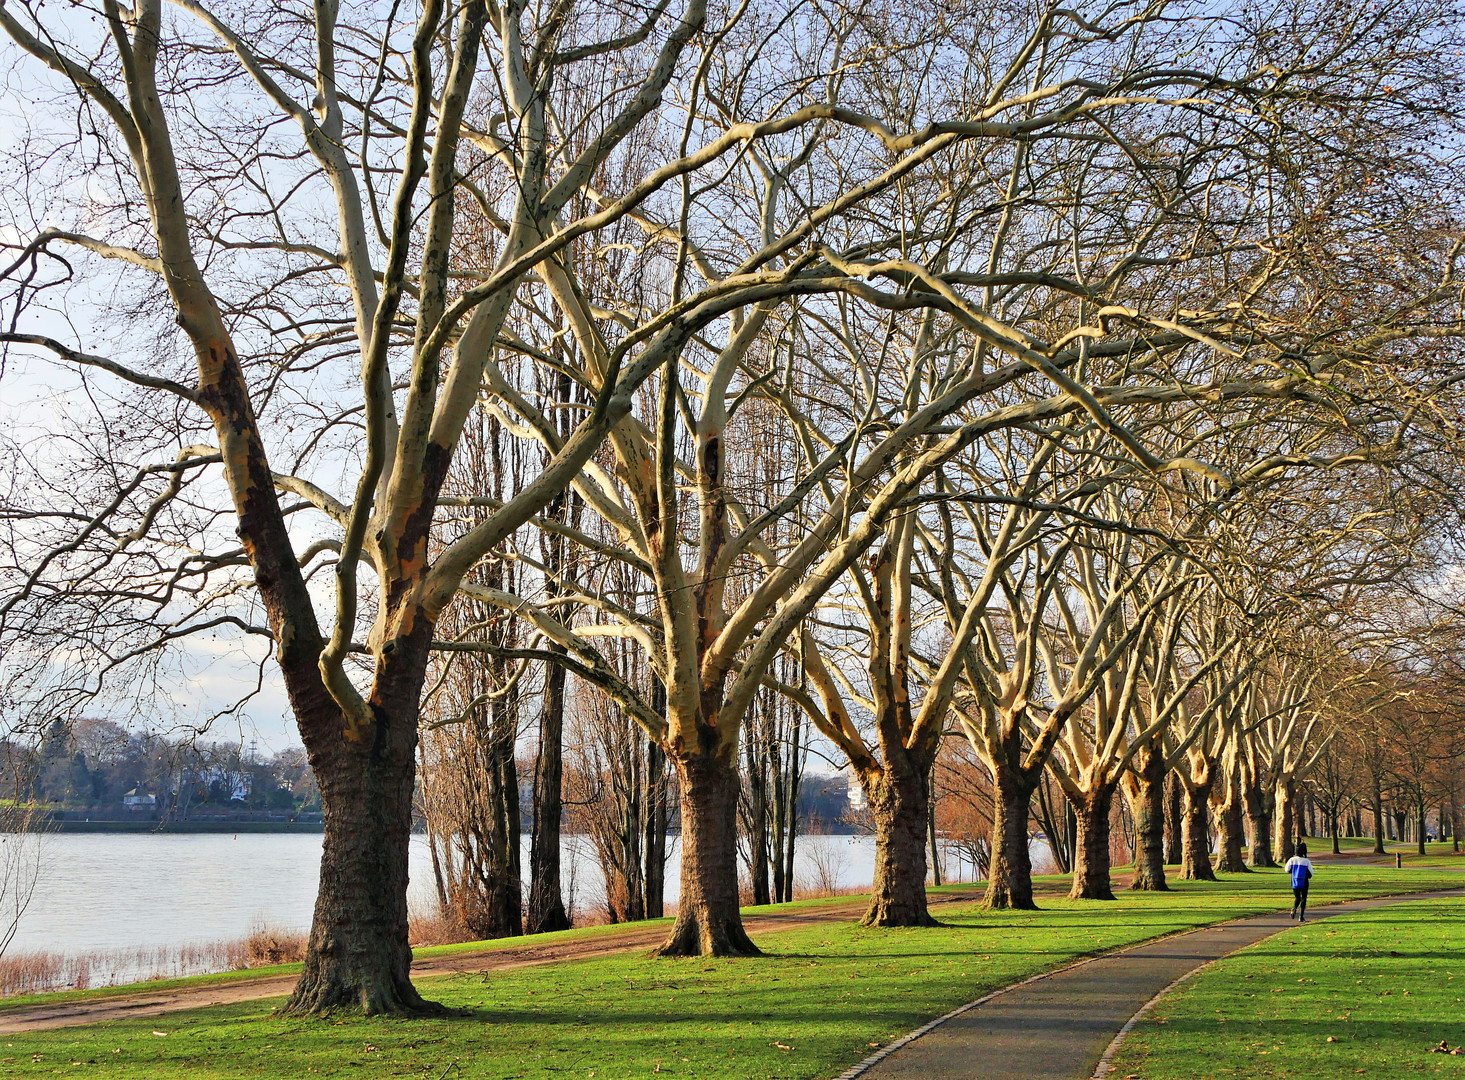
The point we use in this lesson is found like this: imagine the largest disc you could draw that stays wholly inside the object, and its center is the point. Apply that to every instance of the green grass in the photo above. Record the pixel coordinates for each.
(1363, 994)
(424, 953)
(823, 998)
(1439, 853)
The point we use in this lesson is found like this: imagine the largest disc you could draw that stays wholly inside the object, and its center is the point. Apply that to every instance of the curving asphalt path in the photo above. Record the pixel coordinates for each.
(1065, 1025)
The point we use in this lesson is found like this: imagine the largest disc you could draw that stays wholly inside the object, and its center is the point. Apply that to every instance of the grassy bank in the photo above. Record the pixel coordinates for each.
(823, 997)
(1373, 993)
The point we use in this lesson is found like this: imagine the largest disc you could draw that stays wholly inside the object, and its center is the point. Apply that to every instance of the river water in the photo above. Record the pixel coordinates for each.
(114, 891)
(129, 893)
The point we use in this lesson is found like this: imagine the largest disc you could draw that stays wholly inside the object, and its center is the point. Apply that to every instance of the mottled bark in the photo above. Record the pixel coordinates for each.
(1091, 849)
(899, 798)
(709, 922)
(1285, 823)
(1233, 833)
(503, 891)
(1145, 790)
(357, 955)
(1173, 814)
(1010, 877)
(1259, 823)
(1195, 839)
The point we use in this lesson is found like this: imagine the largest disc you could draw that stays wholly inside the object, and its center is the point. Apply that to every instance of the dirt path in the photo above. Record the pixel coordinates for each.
(1065, 1025)
(631, 939)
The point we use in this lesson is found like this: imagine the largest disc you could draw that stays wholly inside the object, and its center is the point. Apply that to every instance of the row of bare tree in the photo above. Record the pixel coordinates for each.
(1065, 377)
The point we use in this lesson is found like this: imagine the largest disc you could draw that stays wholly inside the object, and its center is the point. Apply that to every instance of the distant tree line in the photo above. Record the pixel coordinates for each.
(100, 769)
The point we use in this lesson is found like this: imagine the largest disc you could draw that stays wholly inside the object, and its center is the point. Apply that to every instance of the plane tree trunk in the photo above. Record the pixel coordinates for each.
(1091, 879)
(1010, 876)
(1196, 842)
(1145, 790)
(900, 799)
(1174, 803)
(1286, 824)
(1232, 832)
(708, 922)
(357, 956)
(1259, 822)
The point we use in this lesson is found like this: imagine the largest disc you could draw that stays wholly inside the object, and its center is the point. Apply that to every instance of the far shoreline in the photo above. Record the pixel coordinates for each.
(134, 826)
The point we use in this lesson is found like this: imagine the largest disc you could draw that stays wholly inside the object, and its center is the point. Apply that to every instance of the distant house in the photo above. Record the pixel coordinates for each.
(138, 799)
(222, 785)
(855, 792)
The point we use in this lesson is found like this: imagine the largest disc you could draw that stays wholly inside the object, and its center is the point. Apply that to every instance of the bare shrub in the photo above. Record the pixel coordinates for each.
(267, 945)
(971, 857)
(436, 928)
(1045, 861)
(825, 861)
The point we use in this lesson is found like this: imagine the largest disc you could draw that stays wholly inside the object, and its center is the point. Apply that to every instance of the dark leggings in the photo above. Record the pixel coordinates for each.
(1299, 899)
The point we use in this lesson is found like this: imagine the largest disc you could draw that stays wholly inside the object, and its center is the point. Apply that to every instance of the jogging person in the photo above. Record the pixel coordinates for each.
(1301, 870)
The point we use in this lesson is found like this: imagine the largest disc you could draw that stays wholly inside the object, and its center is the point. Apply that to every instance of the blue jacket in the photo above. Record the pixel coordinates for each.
(1300, 869)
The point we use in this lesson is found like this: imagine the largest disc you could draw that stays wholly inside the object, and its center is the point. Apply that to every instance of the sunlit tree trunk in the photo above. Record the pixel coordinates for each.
(1010, 875)
(1091, 851)
(1195, 833)
(1145, 790)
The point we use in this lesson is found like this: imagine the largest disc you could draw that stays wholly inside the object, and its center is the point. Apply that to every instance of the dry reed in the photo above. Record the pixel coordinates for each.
(41, 971)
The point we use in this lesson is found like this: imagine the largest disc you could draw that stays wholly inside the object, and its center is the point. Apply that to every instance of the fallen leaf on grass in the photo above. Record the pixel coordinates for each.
(161, 1034)
(783, 1046)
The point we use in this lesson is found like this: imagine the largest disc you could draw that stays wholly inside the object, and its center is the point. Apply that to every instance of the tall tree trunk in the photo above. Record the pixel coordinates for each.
(755, 758)
(780, 827)
(1378, 815)
(791, 799)
(658, 815)
(936, 875)
(899, 798)
(1196, 861)
(1259, 822)
(1423, 831)
(709, 922)
(1010, 876)
(1145, 790)
(1232, 832)
(1091, 851)
(357, 955)
(1173, 815)
(1286, 824)
(546, 905)
(1070, 834)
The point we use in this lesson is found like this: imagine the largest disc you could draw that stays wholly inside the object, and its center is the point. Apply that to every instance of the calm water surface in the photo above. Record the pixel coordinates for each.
(107, 891)
(122, 891)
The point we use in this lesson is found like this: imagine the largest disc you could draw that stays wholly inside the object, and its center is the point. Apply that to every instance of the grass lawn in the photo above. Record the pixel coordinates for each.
(820, 1001)
(1364, 994)
(1440, 853)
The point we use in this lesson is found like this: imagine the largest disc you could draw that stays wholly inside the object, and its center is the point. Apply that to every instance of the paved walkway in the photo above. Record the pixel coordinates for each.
(1057, 1027)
